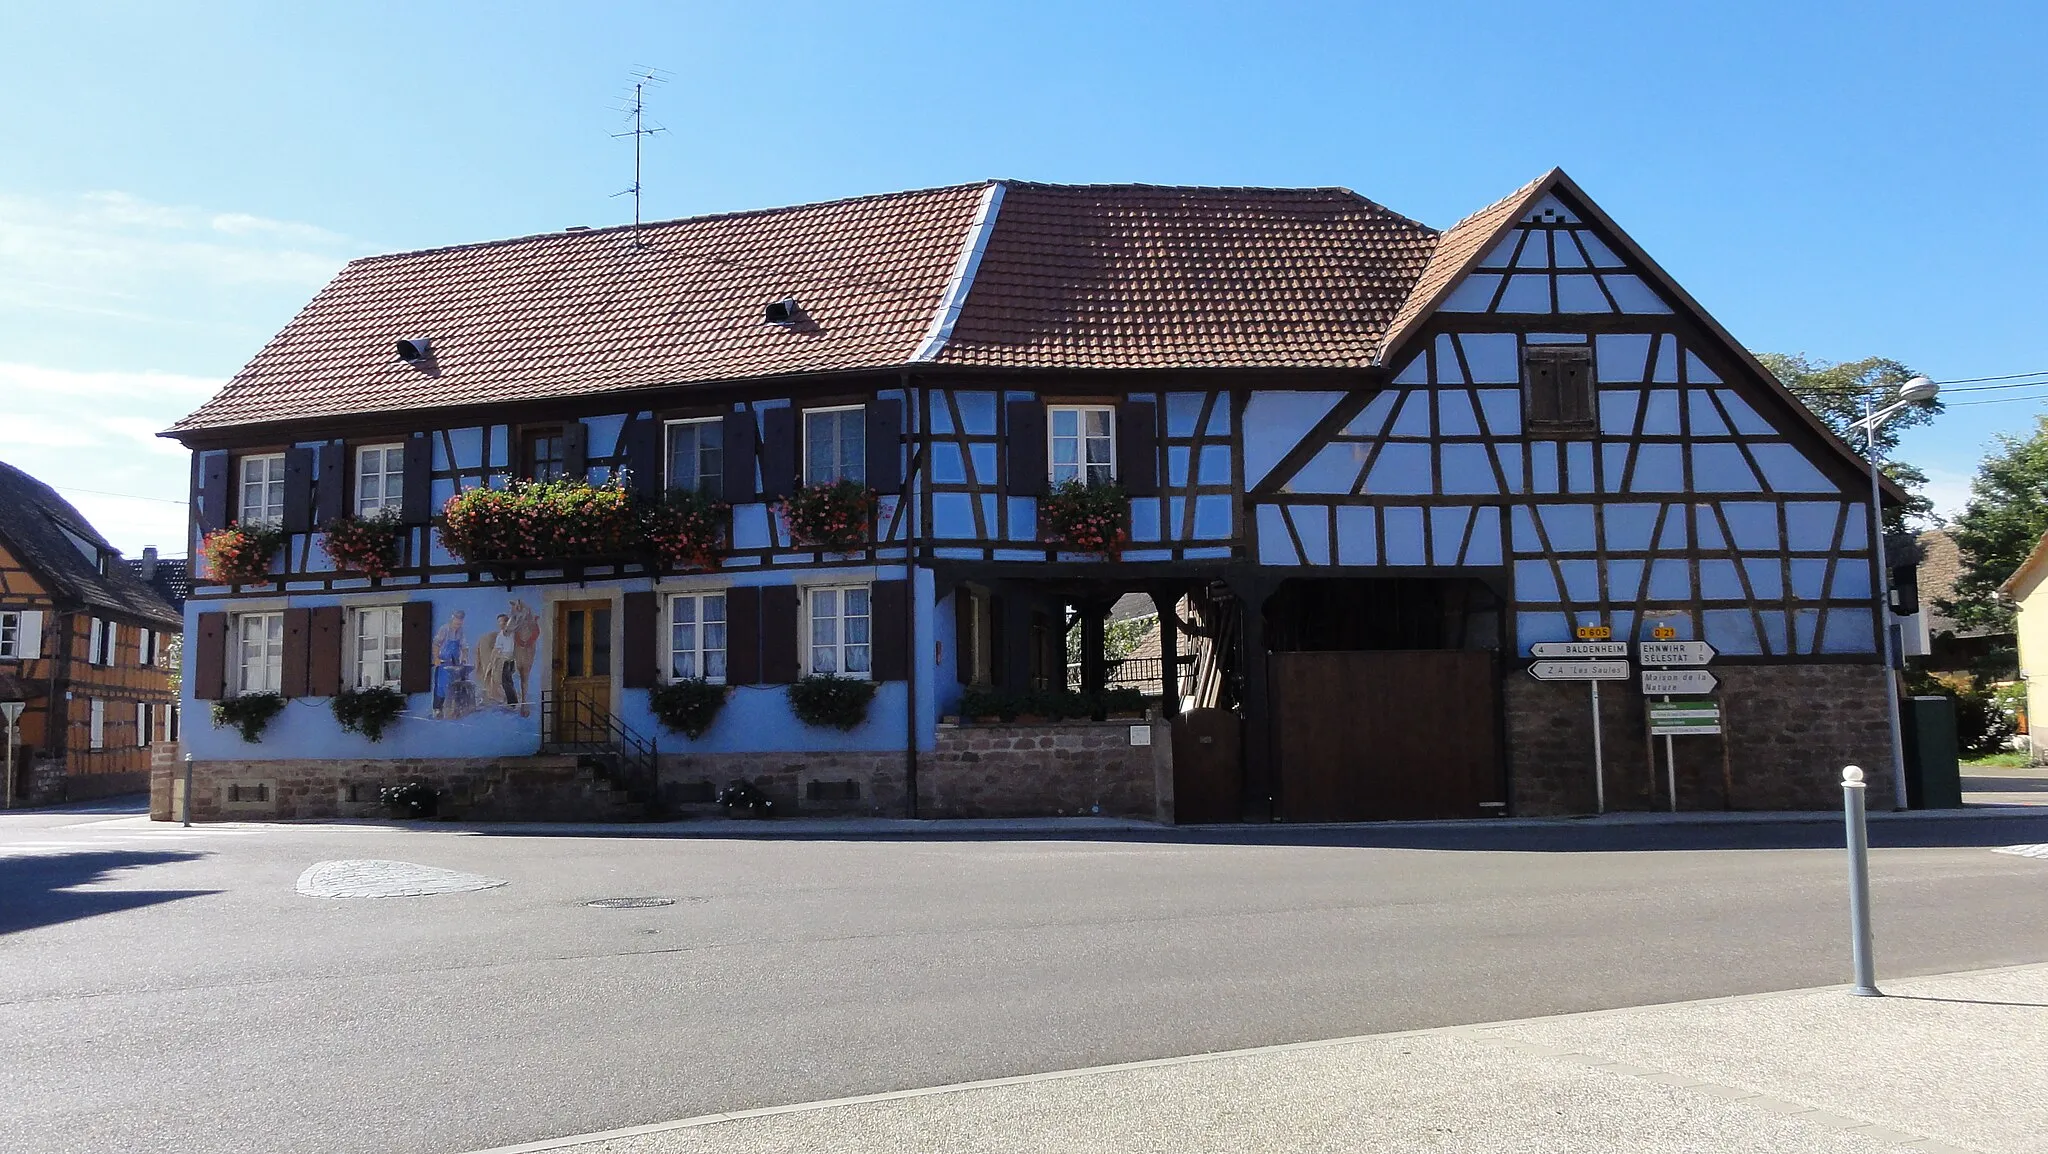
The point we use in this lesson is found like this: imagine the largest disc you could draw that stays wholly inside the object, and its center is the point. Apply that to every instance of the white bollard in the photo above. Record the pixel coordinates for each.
(1859, 884)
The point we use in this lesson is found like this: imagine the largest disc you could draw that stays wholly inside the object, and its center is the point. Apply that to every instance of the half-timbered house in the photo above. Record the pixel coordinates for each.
(84, 647)
(1368, 464)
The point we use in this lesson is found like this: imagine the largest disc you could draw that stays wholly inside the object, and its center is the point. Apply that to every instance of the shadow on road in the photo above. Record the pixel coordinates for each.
(39, 889)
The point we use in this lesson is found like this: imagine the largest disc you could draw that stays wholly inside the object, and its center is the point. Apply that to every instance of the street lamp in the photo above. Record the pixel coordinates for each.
(1915, 391)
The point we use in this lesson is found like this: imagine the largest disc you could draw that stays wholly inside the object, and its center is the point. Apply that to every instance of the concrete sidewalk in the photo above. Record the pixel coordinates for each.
(1951, 1063)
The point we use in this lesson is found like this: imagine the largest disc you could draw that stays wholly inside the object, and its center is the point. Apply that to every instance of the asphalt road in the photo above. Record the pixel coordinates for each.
(163, 989)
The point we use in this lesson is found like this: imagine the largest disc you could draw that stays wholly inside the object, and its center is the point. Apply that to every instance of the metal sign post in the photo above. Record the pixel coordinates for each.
(11, 710)
(1599, 765)
(1591, 662)
(1682, 674)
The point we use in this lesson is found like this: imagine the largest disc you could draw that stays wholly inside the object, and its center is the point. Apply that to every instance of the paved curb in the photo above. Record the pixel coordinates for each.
(1479, 1031)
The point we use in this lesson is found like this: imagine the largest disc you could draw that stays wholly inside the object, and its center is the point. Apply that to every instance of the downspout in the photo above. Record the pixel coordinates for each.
(910, 618)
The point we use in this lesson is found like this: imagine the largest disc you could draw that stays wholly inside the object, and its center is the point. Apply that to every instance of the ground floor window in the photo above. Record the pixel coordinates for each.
(839, 634)
(378, 640)
(259, 652)
(696, 637)
(145, 723)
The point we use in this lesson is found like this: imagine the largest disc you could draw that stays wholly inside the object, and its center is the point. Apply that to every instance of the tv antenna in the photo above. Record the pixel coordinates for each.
(636, 112)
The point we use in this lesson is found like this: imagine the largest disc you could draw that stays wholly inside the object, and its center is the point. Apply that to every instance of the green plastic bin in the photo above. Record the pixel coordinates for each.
(1934, 777)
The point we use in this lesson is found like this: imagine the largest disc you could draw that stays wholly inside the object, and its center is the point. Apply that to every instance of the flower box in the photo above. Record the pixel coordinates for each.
(366, 545)
(241, 554)
(835, 517)
(1088, 519)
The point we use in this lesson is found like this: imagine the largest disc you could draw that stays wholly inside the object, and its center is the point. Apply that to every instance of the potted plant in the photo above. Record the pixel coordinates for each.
(685, 530)
(835, 702)
(411, 799)
(241, 554)
(368, 711)
(688, 705)
(1084, 518)
(365, 545)
(836, 516)
(249, 713)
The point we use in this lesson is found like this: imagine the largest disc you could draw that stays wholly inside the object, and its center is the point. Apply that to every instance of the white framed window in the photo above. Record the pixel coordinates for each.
(262, 489)
(837, 631)
(258, 652)
(145, 723)
(376, 643)
(96, 711)
(836, 445)
(696, 637)
(171, 722)
(380, 479)
(1082, 443)
(99, 644)
(696, 455)
(10, 635)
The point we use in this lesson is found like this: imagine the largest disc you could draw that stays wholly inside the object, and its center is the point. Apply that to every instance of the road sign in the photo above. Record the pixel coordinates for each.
(1675, 652)
(1579, 649)
(1684, 718)
(1594, 632)
(1664, 633)
(1679, 681)
(1579, 670)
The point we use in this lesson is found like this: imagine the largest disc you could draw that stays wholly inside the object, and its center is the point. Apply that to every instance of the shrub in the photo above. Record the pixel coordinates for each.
(366, 545)
(1125, 699)
(413, 798)
(368, 711)
(1050, 704)
(540, 521)
(745, 799)
(835, 517)
(837, 702)
(984, 702)
(688, 706)
(249, 713)
(241, 554)
(1083, 518)
(685, 530)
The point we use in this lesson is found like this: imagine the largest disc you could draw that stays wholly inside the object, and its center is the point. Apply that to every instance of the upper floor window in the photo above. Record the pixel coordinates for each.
(1083, 443)
(146, 653)
(100, 642)
(10, 635)
(835, 445)
(258, 652)
(262, 489)
(1558, 388)
(545, 454)
(377, 641)
(839, 639)
(380, 478)
(696, 637)
(145, 723)
(696, 456)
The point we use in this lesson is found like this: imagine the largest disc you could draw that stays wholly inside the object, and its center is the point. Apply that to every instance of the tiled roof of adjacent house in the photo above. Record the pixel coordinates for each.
(1461, 245)
(1067, 276)
(50, 538)
(171, 577)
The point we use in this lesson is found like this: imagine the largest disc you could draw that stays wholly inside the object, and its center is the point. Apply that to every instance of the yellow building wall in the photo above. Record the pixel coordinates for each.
(2033, 634)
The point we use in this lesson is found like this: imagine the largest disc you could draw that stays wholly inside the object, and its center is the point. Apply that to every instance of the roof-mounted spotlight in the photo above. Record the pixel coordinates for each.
(783, 312)
(414, 349)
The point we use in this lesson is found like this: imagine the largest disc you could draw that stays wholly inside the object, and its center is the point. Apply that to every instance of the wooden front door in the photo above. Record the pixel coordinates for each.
(583, 669)
(1386, 735)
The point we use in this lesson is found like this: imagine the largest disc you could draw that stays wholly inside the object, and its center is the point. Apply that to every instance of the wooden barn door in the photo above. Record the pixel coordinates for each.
(1385, 735)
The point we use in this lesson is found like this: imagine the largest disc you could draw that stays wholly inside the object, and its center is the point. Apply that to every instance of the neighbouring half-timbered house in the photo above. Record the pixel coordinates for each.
(84, 648)
(1360, 465)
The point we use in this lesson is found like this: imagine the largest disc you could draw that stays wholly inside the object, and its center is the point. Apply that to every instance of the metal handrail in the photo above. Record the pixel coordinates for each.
(638, 757)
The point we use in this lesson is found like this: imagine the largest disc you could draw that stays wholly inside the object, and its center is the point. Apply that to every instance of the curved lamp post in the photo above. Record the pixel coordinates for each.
(1915, 391)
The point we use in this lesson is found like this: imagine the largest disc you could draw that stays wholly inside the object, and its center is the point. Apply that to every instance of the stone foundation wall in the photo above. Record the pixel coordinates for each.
(1088, 768)
(472, 789)
(1787, 732)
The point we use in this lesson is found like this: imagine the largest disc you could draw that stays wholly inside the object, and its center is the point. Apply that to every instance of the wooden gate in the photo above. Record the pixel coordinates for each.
(1389, 735)
(1208, 767)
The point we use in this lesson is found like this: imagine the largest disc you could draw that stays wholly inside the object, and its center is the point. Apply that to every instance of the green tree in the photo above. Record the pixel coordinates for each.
(2005, 517)
(1836, 393)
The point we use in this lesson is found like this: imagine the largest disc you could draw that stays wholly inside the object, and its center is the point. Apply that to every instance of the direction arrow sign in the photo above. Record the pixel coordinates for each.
(1579, 670)
(1579, 649)
(1660, 682)
(1684, 718)
(1675, 652)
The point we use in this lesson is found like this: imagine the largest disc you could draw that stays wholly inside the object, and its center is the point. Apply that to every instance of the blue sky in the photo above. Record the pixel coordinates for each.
(176, 180)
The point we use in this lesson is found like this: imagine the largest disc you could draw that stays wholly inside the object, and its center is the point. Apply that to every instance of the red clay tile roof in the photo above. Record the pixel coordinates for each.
(1141, 276)
(1463, 243)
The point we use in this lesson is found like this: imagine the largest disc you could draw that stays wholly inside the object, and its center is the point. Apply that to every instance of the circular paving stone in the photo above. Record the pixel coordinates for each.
(369, 878)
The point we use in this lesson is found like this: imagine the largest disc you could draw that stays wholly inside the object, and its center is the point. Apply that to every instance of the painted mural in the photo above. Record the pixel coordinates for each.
(492, 672)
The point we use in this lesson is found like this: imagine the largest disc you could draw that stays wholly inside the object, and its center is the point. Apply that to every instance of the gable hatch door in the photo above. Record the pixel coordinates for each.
(582, 670)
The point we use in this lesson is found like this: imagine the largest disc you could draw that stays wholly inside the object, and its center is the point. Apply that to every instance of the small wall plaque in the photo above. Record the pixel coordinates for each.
(1141, 735)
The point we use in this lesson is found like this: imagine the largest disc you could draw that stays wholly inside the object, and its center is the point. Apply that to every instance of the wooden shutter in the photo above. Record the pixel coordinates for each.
(641, 613)
(780, 647)
(1137, 448)
(1025, 449)
(643, 452)
(963, 634)
(298, 490)
(416, 649)
(997, 640)
(331, 490)
(778, 453)
(28, 637)
(1574, 392)
(1540, 395)
(576, 451)
(210, 657)
(889, 629)
(885, 446)
(324, 651)
(743, 635)
(738, 438)
(418, 502)
(213, 491)
(298, 623)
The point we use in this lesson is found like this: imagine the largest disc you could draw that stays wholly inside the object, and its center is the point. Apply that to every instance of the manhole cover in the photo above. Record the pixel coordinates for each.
(630, 903)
